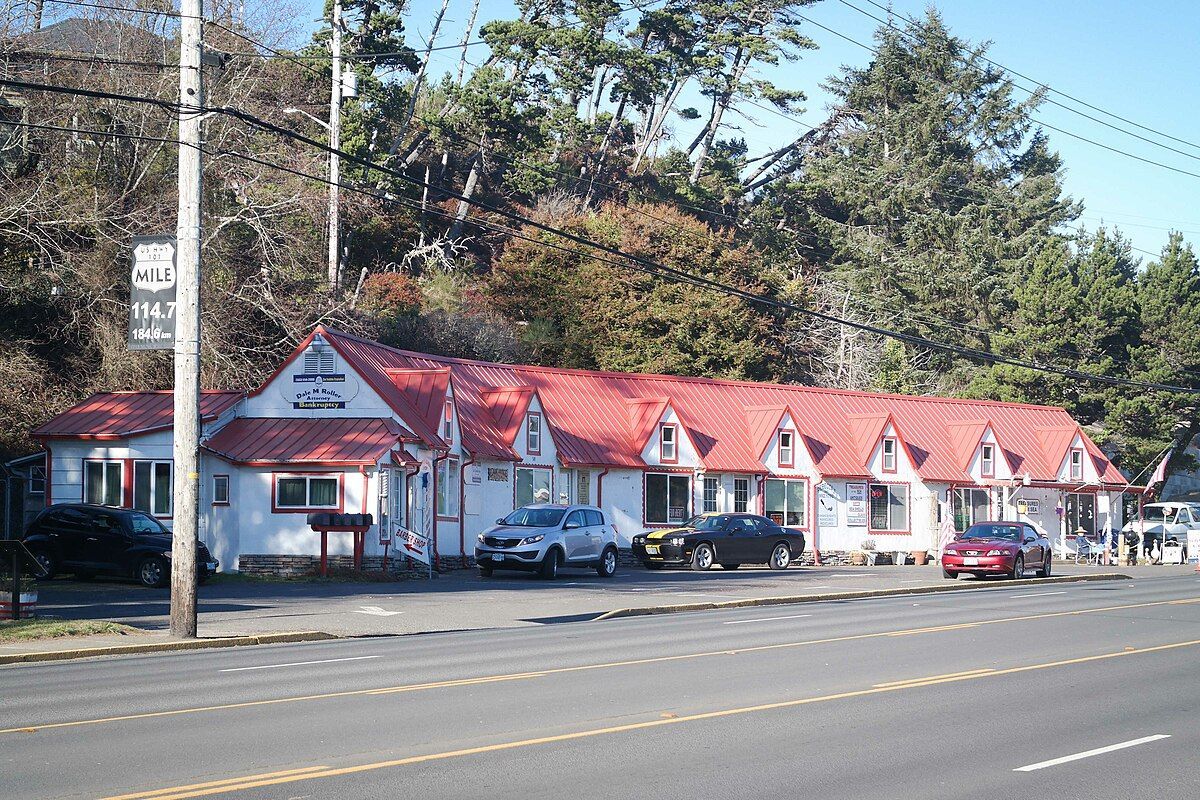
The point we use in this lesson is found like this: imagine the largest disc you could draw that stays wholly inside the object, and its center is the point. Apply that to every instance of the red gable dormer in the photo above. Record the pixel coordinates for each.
(763, 424)
(1055, 444)
(425, 390)
(644, 415)
(966, 438)
(867, 430)
(507, 406)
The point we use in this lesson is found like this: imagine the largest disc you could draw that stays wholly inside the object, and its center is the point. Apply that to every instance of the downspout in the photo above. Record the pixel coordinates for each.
(462, 513)
(366, 486)
(46, 499)
(600, 489)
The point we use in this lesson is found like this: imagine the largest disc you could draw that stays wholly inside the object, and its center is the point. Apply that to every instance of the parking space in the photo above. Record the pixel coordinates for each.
(462, 600)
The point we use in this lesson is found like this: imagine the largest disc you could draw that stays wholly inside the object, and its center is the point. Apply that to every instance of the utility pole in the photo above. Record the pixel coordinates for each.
(186, 488)
(335, 138)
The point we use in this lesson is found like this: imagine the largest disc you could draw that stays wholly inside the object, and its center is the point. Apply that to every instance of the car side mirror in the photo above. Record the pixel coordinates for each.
(500, 521)
(1030, 539)
(570, 526)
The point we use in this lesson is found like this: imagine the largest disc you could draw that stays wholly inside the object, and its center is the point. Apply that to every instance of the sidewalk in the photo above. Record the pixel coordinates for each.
(64, 648)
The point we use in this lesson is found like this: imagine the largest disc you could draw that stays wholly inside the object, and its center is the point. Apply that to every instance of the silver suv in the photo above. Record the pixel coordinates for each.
(544, 537)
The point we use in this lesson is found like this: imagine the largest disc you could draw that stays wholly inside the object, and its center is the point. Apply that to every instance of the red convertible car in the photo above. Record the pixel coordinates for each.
(998, 548)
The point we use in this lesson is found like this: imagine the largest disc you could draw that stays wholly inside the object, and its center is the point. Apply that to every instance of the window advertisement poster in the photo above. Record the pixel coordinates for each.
(152, 294)
(856, 505)
(827, 505)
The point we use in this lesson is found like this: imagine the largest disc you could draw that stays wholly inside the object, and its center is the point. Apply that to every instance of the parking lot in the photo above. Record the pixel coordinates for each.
(462, 600)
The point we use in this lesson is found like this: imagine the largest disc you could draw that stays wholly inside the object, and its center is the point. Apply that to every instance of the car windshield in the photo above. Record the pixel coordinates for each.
(1157, 514)
(707, 522)
(1011, 533)
(144, 525)
(535, 517)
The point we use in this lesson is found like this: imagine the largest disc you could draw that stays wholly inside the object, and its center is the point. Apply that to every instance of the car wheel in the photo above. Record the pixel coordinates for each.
(1044, 571)
(485, 570)
(730, 566)
(781, 556)
(549, 569)
(1018, 570)
(948, 574)
(702, 558)
(608, 563)
(47, 563)
(152, 572)
(652, 565)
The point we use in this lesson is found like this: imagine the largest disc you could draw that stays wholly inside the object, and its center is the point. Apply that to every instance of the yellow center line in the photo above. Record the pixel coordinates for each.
(929, 678)
(254, 781)
(222, 784)
(32, 728)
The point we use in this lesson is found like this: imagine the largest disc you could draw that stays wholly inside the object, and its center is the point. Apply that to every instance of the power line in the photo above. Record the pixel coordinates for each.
(909, 36)
(638, 263)
(1051, 88)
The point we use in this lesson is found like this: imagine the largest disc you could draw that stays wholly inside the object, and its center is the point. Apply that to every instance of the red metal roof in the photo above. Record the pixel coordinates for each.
(113, 415)
(260, 440)
(965, 438)
(508, 406)
(761, 424)
(590, 416)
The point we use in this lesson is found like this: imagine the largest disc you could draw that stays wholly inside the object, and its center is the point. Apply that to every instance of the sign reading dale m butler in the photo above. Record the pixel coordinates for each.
(152, 294)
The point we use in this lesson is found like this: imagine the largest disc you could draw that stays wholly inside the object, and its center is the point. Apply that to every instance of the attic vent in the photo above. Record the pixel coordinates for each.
(319, 361)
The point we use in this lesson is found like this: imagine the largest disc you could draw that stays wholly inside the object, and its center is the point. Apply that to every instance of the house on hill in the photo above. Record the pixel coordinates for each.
(443, 446)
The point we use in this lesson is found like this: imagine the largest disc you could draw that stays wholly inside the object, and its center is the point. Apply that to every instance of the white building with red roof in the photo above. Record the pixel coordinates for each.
(443, 446)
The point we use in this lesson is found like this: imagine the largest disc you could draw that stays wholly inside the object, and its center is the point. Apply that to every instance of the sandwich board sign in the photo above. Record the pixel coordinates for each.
(152, 283)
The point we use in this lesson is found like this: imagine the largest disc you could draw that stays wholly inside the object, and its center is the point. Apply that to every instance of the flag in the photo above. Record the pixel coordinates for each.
(1160, 472)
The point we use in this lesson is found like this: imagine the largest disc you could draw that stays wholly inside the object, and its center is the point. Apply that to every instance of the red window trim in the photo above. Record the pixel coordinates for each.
(674, 442)
(541, 432)
(437, 516)
(1071, 464)
(275, 476)
(530, 466)
(907, 508)
(883, 467)
(228, 486)
(808, 499)
(983, 471)
(791, 462)
(669, 474)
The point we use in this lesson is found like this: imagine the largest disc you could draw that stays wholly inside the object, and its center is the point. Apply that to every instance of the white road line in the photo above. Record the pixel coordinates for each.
(1098, 751)
(1035, 594)
(765, 619)
(297, 664)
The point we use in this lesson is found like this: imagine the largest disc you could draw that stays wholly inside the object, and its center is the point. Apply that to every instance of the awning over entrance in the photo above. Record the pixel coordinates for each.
(272, 441)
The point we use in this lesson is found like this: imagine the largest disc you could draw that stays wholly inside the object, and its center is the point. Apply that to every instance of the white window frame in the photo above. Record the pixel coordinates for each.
(663, 456)
(987, 460)
(712, 489)
(787, 453)
(103, 465)
(739, 483)
(533, 433)
(308, 477)
(549, 473)
(1075, 464)
(448, 423)
(890, 488)
(803, 523)
(154, 487)
(217, 501)
(37, 475)
(448, 479)
(669, 476)
(888, 452)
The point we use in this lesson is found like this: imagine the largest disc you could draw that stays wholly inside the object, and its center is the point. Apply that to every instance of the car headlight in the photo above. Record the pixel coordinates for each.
(639, 540)
(997, 553)
(677, 541)
(167, 554)
(480, 538)
(532, 539)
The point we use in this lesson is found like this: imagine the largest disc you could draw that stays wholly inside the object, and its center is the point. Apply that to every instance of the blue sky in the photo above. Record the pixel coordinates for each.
(1136, 60)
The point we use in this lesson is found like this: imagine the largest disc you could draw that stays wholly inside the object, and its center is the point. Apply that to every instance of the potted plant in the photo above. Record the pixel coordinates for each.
(920, 557)
(27, 597)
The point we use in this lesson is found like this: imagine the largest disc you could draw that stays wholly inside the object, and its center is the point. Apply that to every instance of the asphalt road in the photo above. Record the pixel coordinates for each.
(942, 696)
(461, 600)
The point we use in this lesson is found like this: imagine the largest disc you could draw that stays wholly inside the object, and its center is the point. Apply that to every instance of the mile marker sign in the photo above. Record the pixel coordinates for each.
(152, 294)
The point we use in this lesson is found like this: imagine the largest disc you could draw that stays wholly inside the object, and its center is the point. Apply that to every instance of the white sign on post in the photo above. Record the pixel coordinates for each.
(412, 544)
(152, 281)
(856, 505)
(1193, 545)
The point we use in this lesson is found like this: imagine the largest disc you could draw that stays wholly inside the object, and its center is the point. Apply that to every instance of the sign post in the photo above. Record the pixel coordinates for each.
(152, 283)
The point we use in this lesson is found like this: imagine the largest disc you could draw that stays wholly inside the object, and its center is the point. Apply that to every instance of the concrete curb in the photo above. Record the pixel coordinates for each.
(165, 647)
(859, 595)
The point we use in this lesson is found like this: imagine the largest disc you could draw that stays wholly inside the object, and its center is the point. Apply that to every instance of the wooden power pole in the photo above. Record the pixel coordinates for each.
(335, 139)
(186, 488)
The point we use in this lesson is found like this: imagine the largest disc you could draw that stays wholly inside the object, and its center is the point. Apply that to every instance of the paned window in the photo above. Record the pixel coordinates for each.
(102, 482)
(787, 502)
(889, 507)
(668, 498)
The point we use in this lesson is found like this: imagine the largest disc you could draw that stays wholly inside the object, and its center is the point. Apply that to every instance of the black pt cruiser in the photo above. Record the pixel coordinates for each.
(726, 539)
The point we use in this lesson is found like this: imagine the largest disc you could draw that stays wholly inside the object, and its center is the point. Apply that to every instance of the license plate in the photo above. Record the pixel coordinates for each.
(212, 565)
(497, 557)
(652, 549)
(971, 562)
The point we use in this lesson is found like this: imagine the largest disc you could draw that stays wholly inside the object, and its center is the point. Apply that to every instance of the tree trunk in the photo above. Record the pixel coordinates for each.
(720, 104)
(420, 76)
(658, 119)
(460, 216)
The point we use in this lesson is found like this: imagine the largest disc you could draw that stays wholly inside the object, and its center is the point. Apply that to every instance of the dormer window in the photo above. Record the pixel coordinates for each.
(448, 423)
(533, 434)
(786, 449)
(889, 455)
(666, 440)
(987, 460)
(319, 359)
(1076, 464)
